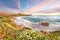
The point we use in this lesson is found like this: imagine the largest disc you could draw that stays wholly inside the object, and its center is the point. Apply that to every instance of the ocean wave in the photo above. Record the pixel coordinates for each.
(33, 22)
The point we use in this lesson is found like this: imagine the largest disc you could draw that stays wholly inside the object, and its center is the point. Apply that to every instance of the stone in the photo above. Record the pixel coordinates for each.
(44, 23)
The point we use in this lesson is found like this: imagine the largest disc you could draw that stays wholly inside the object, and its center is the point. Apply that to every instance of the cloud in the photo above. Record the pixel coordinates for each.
(45, 5)
(17, 4)
(10, 10)
(31, 3)
(54, 10)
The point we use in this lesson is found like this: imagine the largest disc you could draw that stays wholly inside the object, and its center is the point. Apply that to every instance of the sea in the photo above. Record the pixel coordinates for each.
(33, 22)
(37, 19)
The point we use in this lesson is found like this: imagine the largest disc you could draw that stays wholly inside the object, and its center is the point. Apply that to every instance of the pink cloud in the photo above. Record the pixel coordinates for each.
(7, 9)
(44, 5)
(4, 13)
(17, 4)
(33, 1)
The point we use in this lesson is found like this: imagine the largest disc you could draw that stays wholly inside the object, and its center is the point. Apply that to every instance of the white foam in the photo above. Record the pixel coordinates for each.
(52, 27)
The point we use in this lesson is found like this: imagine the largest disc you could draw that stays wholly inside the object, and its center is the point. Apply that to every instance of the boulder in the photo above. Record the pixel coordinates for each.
(44, 23)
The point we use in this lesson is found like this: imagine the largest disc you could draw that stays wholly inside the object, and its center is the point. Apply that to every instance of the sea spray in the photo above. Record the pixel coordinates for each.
(33, 22)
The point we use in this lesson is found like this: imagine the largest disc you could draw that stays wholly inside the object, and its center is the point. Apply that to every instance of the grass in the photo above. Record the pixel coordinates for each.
(10, 31)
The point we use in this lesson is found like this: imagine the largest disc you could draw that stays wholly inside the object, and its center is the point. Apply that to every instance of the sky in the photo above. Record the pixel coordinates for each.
(30, 6)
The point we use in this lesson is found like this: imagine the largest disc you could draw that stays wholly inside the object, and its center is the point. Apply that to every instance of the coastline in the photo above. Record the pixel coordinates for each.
(36, 26)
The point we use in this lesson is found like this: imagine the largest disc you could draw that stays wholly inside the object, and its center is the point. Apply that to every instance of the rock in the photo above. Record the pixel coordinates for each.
(45, 32)
(44, 23)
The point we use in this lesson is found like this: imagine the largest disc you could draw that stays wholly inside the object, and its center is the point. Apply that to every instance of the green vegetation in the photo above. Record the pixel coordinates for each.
(10, 31)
